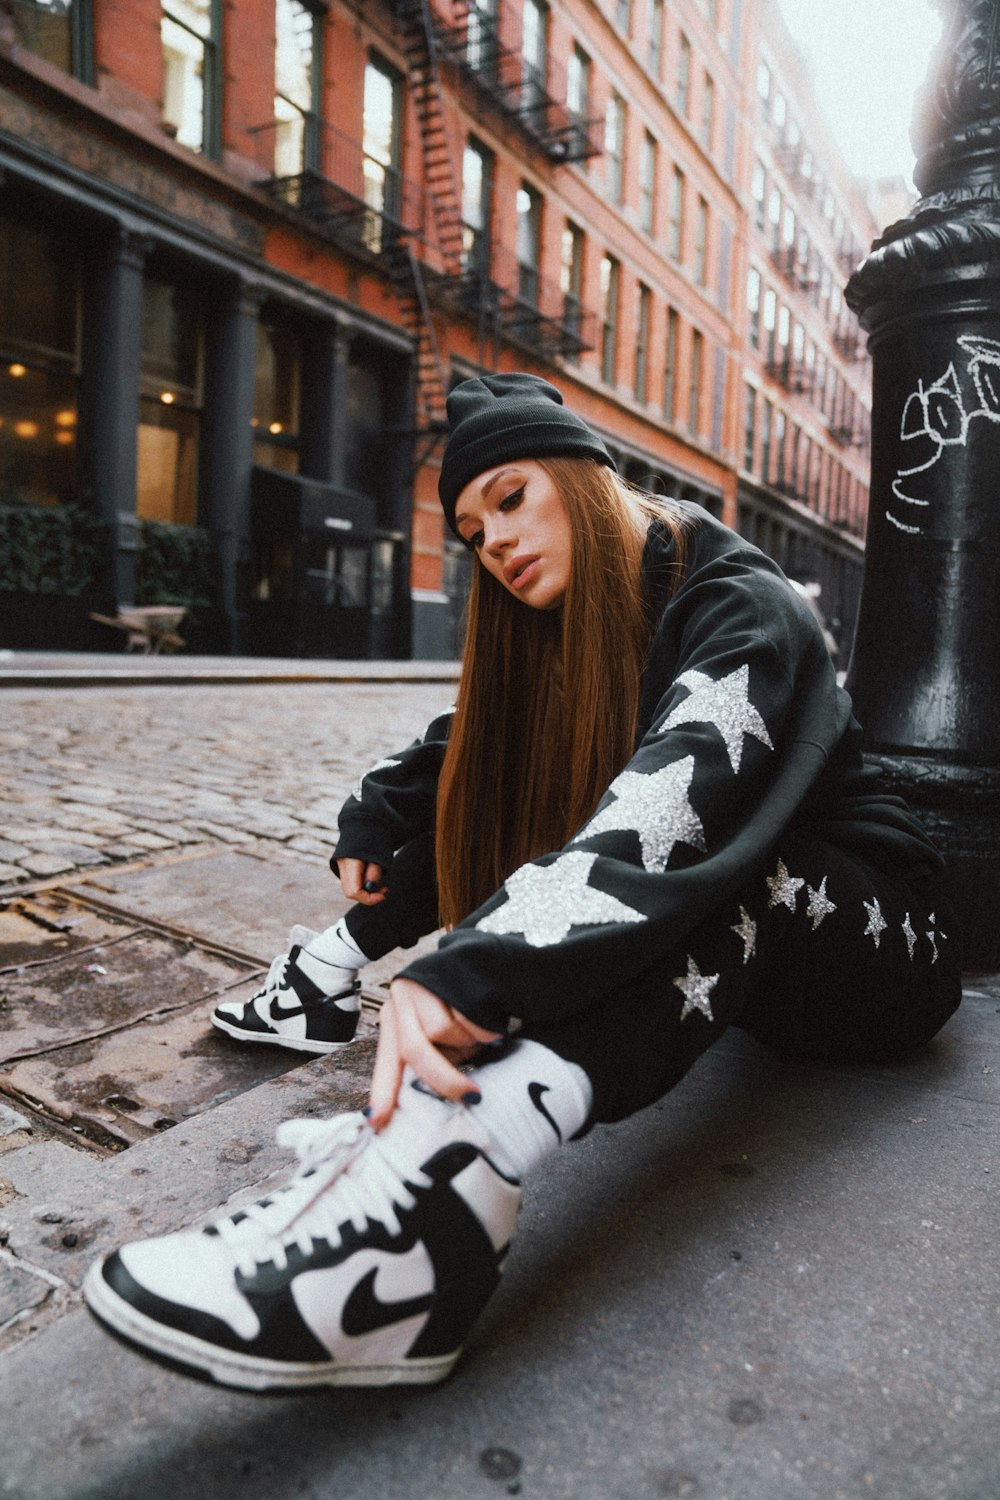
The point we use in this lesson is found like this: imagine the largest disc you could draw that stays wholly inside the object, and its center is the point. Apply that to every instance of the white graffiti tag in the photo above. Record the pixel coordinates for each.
(941, 414)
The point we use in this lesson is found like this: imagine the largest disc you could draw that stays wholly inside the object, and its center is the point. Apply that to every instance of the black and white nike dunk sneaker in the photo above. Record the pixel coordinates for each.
(304, 1003)
(368, 1267)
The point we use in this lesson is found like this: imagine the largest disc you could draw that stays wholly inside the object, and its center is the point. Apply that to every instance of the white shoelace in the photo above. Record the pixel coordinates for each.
(324, 1194)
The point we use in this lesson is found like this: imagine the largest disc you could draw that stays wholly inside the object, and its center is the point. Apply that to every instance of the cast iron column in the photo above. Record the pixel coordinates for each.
(228, 458)
(925, 673)
(112, 403)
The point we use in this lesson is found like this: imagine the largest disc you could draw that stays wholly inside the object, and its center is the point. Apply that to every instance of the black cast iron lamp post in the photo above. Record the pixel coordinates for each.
(925, 673)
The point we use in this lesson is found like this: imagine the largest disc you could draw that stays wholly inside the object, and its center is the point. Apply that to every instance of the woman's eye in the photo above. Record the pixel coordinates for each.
(514, 498)
(475, 540)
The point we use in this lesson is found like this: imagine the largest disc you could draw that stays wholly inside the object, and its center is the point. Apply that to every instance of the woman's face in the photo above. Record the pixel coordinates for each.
(515, 518)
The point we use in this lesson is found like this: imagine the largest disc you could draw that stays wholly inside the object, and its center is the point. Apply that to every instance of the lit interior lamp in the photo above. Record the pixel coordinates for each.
(65, 419)
(26, 429)
(64, 438)
(17, 371)
(275, 428)
(168, 398)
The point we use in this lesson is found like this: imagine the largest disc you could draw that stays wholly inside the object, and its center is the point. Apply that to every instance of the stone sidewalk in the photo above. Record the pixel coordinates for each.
(777, 1283)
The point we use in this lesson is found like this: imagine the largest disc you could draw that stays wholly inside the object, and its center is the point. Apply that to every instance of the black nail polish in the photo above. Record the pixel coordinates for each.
(367, 1111)
(371, 886)
(472, 1097)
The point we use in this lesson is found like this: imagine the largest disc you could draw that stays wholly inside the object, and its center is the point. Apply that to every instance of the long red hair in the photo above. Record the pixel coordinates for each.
(548, 699)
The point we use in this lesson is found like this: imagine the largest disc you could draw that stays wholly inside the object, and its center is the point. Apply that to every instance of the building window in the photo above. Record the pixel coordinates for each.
(758, 188)
(614, 146)
(169, 405)
(610, 278)
(770, 321)
(780, 427)
(297, 72)
(654, 36)
(647, 183)
(753, 306)
(39, 364)
(670, 364)
(189, 34)
(571, 278)
(481, 50)
(675, 243)
(701, 243)
(643, 310)
(529, 242)
(381, 149)
(534, 58)
(694, 395)
(763, 87)
(708, 112)
(58, 30)
(477, 194)
(749, 427)
(683, 75)
(578, 83)
(276, 396)
(767, 415)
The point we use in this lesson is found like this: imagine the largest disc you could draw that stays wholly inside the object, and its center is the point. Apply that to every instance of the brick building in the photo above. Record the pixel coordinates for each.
(245, 248)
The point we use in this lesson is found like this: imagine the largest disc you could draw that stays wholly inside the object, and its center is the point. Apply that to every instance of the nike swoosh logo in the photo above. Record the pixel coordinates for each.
(364, 1312)
(535, 1092)
(281, 1012)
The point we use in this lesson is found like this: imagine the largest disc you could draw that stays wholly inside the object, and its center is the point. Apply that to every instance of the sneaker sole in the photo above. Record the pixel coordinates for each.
(228, 1367)
(294, 1044)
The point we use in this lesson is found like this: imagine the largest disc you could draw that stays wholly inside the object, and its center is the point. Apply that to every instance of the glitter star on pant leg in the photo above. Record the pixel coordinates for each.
(696, 988)
(784, 888)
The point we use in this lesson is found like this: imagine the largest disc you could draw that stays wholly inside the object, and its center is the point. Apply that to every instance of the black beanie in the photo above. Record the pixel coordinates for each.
(496, 418)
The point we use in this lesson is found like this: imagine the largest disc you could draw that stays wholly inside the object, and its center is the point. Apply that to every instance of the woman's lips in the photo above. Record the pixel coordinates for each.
(521, 572)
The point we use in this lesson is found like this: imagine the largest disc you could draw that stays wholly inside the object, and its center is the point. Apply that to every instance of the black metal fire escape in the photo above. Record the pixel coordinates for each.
(405, 269)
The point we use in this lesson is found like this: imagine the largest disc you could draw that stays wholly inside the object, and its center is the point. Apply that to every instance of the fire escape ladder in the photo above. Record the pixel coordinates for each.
(407, 279)
(421, 47)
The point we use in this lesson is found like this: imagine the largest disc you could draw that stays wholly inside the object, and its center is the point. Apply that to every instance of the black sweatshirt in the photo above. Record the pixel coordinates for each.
(743, 732)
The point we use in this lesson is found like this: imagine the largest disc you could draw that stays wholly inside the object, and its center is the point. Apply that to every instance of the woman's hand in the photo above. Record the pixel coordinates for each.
(355, 876)
(417, 1028)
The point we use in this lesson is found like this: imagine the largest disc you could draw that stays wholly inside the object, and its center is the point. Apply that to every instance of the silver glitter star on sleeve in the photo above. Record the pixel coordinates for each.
(820, 905)
(876, 922)
(746, 929)
(725, 704)
(910, 935)
(545, 901)
(696, 989)
(784, 888)
(933, 934)
(656, 807)
(380, 765)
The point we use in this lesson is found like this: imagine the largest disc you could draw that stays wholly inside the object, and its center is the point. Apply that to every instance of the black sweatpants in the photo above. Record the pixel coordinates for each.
(822, 955)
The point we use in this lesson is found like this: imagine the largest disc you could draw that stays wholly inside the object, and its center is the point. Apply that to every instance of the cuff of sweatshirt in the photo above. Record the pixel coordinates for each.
(363, 838)
(466, 980)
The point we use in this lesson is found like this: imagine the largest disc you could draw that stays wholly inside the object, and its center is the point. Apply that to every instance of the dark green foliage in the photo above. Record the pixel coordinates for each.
(48, 550)
(176, 565)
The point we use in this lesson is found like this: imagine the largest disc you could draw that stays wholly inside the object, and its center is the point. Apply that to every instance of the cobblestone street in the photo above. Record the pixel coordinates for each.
(97, 776)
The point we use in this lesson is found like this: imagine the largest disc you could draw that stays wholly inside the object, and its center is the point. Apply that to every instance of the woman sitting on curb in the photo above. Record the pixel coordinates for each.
(646, 820)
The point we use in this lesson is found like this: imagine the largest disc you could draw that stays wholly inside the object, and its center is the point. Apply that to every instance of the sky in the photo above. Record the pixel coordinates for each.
(869, 58)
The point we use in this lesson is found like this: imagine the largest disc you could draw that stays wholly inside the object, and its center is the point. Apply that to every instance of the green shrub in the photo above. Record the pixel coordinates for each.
(49, 550)
(175, 565)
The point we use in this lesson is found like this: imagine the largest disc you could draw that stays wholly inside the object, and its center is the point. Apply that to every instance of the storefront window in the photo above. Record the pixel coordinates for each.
(39, 315)
(277, 385)
(169, 405)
